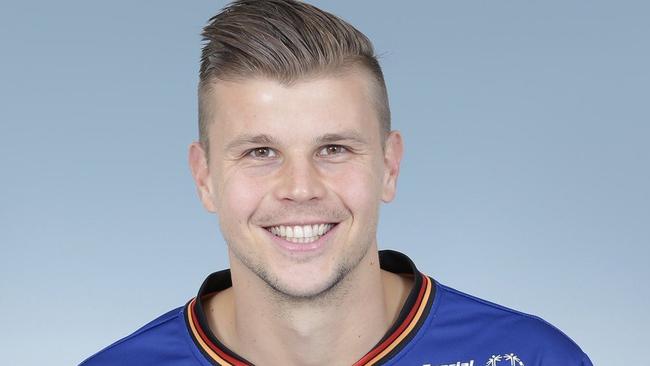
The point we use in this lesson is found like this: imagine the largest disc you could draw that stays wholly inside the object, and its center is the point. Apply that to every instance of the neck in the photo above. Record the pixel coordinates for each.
(337, 328)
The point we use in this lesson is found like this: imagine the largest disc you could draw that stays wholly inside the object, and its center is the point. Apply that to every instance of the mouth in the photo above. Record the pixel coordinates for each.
(301, 233)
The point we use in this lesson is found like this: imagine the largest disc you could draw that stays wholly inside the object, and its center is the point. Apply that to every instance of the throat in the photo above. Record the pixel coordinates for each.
(339, 328)
(320, 331)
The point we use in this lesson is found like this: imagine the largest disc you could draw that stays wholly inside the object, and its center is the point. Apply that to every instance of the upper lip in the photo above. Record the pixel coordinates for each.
(302, 223)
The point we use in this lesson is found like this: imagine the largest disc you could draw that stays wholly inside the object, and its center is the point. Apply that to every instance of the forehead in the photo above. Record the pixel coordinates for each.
(317, 105)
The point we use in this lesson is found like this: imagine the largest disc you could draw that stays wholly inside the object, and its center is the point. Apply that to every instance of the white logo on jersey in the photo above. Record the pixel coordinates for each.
(496, 360)
(468, 363)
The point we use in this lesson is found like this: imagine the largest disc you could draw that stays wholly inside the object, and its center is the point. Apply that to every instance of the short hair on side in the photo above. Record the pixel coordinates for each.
(285, 40)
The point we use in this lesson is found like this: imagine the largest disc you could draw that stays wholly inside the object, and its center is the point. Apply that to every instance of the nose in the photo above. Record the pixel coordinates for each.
(300, 181)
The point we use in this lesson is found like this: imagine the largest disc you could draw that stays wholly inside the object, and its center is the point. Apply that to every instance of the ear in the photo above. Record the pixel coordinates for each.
(393, 151)
(201, 174)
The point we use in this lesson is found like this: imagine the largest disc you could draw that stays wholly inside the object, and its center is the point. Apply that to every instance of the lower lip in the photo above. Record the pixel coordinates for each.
(292, 247)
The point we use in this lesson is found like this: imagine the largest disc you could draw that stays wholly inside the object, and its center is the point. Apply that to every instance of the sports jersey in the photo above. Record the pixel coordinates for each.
(437, 326)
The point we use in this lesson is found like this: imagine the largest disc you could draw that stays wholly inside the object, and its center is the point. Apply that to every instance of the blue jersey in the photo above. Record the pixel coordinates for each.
(437, 326)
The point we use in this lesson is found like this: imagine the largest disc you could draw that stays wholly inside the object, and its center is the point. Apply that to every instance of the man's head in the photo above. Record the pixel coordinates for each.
(293, 107)
(282, 40)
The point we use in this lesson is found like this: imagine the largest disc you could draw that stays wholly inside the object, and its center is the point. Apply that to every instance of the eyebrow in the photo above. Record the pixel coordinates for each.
(247, 139)
(330, 138)
(263, 139)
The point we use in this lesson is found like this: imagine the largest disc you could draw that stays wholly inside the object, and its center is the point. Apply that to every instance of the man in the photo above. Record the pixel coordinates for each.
(295, 156)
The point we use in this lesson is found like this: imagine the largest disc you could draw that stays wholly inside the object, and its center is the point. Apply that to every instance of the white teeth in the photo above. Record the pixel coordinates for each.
(301, 234)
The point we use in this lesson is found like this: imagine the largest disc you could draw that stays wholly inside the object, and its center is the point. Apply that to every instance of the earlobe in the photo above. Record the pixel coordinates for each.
(393, 151)
(201, 174)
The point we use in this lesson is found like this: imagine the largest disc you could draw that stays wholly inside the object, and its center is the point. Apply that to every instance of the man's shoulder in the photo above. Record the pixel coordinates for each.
(488, 329)
(162, 341)
(492, 317)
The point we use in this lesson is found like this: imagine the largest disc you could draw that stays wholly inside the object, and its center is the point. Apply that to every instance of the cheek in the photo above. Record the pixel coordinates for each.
(359, 187)
(239, 197)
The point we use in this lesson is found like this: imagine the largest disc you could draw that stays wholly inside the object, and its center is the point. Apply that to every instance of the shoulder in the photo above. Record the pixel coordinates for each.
(496, 329)
(159, 342)
(497, 319)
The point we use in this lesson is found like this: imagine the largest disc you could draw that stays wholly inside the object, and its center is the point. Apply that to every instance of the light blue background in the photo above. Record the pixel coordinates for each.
(525, 179)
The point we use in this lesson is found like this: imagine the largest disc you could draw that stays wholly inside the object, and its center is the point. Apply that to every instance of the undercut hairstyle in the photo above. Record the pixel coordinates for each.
(284, 40)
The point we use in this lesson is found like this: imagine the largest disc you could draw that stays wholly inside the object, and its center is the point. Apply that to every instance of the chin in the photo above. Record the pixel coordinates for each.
(302, 287)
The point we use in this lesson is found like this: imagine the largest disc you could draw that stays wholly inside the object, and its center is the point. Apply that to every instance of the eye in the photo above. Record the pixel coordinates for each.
(332, 150)
(262, 153)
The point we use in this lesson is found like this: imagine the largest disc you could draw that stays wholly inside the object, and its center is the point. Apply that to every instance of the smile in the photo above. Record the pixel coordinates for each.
(300, 233)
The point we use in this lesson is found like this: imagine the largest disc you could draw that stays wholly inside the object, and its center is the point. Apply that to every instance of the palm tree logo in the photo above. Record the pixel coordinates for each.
(514, 360)
(493, 360)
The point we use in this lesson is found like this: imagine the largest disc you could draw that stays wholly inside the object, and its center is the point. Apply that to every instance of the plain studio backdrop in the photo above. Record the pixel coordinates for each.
(525, 178)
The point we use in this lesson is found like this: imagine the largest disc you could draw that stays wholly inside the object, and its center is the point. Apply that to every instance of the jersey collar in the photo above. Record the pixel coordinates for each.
(413, 313)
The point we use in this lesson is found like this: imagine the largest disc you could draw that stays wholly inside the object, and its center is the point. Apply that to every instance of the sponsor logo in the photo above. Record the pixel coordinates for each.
(468, 363)
(505, 359)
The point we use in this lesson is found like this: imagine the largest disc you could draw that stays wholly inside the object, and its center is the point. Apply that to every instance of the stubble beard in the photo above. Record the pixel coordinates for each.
(334, 287)
(330, 291)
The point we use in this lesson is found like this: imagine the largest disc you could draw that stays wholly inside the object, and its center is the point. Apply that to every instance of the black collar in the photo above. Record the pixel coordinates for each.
(411, 317)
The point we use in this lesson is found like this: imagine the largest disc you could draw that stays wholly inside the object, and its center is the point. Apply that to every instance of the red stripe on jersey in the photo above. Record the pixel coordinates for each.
(377, 350)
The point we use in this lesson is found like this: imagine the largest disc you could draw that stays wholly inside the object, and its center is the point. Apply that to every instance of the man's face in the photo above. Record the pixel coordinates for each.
(296, 175)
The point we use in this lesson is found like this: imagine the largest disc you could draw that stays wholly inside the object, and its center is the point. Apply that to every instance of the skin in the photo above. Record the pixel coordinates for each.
(311, 152)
